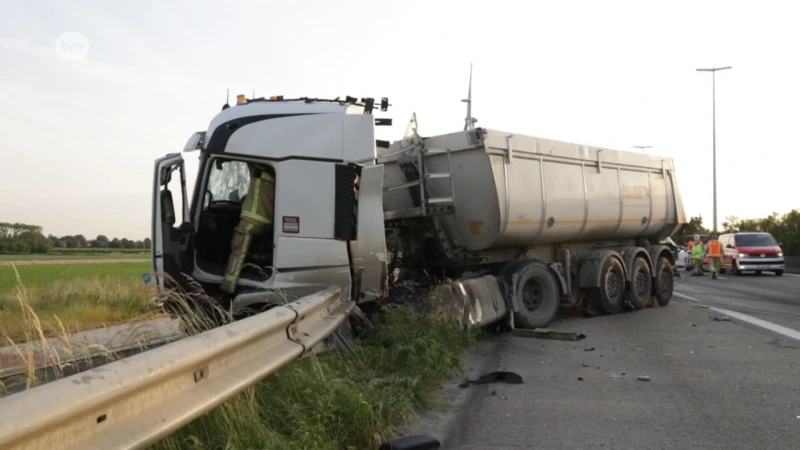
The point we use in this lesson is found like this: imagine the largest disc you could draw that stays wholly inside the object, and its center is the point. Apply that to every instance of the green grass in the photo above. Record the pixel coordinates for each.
(338, 400)
(71, 297)
(64, 255)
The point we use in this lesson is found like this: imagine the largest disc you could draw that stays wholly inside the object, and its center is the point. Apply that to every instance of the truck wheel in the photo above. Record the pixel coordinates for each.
(537, 295)
(778, 273)
(610, 295)
(664, 282)
(640, 284)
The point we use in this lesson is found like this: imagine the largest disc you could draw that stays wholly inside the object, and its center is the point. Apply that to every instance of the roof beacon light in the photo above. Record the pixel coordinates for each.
(240, 100)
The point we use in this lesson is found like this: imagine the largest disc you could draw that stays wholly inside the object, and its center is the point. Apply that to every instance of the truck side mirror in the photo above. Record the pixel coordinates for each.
(167, 208)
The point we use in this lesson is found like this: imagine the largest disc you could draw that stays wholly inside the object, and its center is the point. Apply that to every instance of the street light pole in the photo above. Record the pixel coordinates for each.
(714, 129)
(642, 147)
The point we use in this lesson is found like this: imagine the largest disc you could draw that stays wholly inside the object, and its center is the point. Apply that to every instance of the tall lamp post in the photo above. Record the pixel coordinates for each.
(642, 147)
(714, 129)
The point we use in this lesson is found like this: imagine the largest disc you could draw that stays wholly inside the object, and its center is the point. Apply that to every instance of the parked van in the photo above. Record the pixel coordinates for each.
(751, 251)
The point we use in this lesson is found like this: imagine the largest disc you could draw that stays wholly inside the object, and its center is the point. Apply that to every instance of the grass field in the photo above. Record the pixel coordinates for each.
(71, 297)
(56, 256)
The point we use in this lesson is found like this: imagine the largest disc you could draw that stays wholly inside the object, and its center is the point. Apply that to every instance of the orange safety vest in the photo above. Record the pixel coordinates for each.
(714, 248)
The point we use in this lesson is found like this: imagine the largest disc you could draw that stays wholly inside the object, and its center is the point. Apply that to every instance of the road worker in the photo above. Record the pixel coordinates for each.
(714, 255)
(257, 211)
(697, 256)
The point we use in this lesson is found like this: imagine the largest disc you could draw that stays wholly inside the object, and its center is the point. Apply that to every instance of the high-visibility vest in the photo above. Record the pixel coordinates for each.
(697, 251)
(714, 248)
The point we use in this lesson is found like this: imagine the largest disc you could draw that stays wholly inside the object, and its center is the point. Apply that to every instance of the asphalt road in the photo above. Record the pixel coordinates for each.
(713, 385)
(765, 296)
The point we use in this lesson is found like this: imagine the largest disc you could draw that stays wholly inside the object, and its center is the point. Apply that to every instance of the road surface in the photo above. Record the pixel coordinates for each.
(713, 384)
(771, 298)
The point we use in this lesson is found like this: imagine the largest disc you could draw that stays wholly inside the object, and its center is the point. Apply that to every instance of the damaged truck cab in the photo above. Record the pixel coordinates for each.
(328, 218)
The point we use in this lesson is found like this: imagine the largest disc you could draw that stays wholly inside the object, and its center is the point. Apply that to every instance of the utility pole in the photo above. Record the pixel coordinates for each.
(642, 147)
(714, 129)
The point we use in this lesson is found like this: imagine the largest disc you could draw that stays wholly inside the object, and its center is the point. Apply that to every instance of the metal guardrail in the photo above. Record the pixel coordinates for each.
(136, 401)
(792, 264)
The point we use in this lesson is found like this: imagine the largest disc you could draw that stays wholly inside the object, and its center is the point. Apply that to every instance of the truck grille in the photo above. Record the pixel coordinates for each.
(758, 255)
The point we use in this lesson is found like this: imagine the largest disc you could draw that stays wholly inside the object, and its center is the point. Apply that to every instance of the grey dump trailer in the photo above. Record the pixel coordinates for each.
(522, 225)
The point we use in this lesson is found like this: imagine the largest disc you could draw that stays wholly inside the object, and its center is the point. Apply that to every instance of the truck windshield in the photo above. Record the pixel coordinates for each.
(228, 182)
(755, 240)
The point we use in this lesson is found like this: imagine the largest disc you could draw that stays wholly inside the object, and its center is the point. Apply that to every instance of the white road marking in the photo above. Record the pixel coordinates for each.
(769, 326)
(745, 319)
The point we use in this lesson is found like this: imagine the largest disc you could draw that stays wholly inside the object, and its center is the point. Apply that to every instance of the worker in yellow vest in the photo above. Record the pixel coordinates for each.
(714, 255)
(257, 211)
(697, 256)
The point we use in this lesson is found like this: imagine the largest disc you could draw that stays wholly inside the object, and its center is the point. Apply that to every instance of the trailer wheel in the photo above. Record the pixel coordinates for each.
(610, 295)
(536, 291)
(640, 284)
(664, 281)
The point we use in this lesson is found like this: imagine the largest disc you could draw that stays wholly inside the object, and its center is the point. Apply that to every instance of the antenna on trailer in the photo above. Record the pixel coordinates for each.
(469, 121)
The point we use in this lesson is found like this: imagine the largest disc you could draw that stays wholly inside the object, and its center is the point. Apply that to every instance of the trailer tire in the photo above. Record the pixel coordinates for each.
(664, 283)
(640, 284)
(536, 292)
(609, 297)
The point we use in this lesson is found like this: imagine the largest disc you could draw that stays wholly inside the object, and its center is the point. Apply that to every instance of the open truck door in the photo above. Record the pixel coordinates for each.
(173, 236)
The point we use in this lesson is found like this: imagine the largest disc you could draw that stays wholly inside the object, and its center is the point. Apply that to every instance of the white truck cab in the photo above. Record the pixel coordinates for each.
(328, 214)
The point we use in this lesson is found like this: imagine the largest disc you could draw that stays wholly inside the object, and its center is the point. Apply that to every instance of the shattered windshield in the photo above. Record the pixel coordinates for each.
(228, 181)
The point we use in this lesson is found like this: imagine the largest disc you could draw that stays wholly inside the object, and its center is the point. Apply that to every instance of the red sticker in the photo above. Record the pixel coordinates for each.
(291, 224)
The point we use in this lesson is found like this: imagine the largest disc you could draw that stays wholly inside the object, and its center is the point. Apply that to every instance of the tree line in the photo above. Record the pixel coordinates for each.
(785, 228)
(24, 238)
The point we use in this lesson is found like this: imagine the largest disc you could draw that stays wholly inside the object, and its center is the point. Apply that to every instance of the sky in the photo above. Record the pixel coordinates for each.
(83, 116)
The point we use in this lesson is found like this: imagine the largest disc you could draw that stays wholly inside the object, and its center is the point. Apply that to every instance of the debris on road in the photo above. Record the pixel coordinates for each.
(720, 318)
(586, 365)
(643, 378)
(494, 377)
(547, 333)
(580, 378)
(588, 349)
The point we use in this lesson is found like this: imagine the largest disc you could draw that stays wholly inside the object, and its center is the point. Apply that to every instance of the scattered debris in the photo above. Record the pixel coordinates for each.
(694, 324)
(643, 378)
(721, 319)
(417, 442)
(547, 333)
(580, 378)
(494, 377)
(585, 365)
(588, 349)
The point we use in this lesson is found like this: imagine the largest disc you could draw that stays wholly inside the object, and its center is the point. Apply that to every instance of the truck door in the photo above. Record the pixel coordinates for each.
(173, 236)
(369, 248)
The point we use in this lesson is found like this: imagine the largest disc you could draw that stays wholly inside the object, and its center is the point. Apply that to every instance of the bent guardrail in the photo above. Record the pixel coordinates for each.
(136, 401)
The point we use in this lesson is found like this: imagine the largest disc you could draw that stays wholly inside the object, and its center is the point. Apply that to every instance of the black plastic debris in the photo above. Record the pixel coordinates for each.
(418, 442)
(494, 377)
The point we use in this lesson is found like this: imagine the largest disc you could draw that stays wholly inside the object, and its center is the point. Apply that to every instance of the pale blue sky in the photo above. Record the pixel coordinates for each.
(79, 138)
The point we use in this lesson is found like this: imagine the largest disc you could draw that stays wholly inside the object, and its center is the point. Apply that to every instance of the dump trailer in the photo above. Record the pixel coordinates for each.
(511, 226)
(538, 222)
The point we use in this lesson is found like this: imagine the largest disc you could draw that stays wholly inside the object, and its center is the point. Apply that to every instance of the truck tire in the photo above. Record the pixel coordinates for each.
(664, 283)
(536, 292)
(609, 297)
(640, 284)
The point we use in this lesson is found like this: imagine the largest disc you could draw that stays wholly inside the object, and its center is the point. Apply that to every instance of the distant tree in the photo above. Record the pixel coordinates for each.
(115, 243)
(695, 226)
(102, 241)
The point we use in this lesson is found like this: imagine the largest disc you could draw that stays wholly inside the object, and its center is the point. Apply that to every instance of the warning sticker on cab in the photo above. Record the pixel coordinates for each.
(291, 224)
